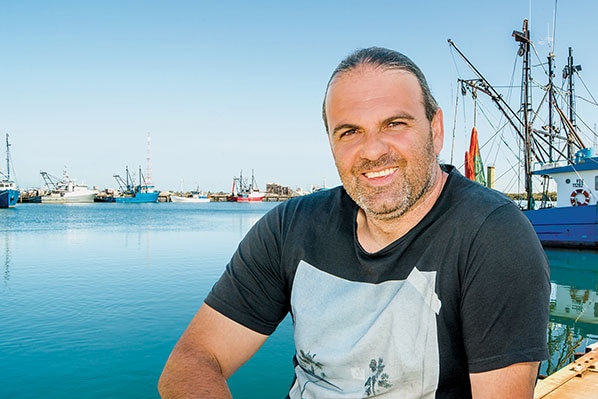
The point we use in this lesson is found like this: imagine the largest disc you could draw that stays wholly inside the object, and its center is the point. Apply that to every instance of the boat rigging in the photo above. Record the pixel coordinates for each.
(551, 152)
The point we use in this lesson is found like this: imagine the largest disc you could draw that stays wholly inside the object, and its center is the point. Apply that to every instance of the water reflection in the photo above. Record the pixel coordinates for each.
(573, 305)
(6, 259)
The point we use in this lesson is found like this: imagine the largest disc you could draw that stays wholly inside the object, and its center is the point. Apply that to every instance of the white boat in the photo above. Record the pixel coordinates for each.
(66, 190)
(195, 197)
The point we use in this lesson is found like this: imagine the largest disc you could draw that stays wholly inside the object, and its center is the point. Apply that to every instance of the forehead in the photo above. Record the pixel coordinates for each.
(368, 85)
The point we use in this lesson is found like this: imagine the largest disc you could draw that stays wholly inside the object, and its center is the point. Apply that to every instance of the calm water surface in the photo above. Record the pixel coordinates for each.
(94, 296)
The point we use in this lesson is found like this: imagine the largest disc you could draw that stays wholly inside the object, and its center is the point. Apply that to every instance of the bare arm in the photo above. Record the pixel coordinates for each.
(210, 350)
(516, 381)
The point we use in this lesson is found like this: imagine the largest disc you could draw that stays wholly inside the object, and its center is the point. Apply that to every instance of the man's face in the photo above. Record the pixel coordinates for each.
(383, 145)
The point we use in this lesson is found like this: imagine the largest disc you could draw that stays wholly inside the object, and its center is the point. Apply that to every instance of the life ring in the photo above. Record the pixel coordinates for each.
(580, 197)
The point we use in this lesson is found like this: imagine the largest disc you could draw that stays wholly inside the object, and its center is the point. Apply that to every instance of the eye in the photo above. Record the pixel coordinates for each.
(396, 123)
(347, 132)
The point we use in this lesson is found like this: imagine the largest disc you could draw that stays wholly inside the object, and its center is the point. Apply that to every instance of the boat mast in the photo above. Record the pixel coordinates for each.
(130, 182)
(7, 158)
(523, 38)
(550, 128)
(568, 72)
(253, 182)
(522, 121)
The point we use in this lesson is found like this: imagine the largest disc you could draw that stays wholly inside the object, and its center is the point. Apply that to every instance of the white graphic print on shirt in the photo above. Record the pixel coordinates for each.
(360, 340)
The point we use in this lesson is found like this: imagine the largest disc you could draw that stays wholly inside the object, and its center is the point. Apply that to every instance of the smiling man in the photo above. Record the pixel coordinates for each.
(384, 146)
(408, 281)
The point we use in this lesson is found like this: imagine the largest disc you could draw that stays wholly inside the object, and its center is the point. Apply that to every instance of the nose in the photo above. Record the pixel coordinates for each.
(373, 146)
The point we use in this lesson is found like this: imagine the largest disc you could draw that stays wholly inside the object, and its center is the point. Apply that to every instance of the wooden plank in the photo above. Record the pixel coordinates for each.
(575, 381)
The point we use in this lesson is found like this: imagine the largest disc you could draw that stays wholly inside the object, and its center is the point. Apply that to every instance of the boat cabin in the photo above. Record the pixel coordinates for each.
(577, 184)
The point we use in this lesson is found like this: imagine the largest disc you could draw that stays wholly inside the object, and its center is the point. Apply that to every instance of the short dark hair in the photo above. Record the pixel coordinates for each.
(387, 59)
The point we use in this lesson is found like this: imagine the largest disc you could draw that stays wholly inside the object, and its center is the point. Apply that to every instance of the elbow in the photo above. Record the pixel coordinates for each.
(167, 383)
(163, 384)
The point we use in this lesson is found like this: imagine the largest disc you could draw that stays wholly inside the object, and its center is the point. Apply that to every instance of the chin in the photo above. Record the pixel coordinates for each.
(384, 210)
(385, 214)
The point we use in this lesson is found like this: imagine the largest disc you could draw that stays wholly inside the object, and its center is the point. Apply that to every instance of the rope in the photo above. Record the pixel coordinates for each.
(454, 127)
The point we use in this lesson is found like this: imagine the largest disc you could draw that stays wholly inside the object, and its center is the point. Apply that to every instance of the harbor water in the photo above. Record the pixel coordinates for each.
(94, 296)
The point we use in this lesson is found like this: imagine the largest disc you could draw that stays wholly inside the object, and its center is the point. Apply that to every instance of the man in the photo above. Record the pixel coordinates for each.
(409, 281)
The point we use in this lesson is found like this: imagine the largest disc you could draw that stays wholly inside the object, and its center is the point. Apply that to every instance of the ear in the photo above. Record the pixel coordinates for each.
(437, 126)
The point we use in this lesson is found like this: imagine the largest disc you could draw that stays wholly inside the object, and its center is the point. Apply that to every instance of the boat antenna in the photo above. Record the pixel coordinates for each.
(148, 168)
(554, 26)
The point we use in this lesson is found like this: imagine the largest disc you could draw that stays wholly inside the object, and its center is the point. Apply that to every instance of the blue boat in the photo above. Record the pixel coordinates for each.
(573, 221)
(130, 192)
(553, 153)
(9, 192)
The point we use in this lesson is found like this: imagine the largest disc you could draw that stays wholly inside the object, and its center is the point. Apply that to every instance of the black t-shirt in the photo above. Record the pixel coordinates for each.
(466, 290)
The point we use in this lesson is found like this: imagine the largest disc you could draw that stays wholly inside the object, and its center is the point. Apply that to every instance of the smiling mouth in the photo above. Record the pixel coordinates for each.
(380, 173)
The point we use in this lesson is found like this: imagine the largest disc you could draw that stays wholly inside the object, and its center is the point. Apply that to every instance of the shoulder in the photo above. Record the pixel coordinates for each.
(468, 197)
(493, 221)
(460, 186)
(482, 214)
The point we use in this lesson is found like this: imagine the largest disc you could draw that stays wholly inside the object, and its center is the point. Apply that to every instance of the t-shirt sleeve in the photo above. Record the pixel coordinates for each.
(252, 289)
(506, 294)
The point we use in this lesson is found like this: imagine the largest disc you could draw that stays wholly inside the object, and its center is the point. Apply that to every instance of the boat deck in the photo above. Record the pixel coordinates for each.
(575, 381)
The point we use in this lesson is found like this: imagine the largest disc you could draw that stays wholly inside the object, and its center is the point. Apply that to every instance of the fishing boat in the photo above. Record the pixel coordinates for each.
(244, 192)
(251, 196)
(65, 190)
(131, 192)
(9, 192)
(554, 153)
(193, 197)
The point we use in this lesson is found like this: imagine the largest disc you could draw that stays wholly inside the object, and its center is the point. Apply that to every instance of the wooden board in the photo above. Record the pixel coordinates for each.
(578, 380)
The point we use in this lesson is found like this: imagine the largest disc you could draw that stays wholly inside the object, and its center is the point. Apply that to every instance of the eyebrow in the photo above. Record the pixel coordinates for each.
(403, 116)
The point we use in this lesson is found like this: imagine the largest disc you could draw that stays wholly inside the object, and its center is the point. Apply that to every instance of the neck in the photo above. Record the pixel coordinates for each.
(375, 234)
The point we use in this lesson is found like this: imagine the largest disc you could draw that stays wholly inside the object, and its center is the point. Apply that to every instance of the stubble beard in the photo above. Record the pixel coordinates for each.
(393, 201)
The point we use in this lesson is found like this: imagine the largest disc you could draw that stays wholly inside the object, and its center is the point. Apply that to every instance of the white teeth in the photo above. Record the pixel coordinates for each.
(380, 173)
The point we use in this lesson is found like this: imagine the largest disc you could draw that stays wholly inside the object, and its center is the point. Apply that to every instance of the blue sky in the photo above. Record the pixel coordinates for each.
(234, 85)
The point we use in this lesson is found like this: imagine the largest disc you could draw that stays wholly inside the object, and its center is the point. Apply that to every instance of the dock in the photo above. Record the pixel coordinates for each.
(577, 380)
